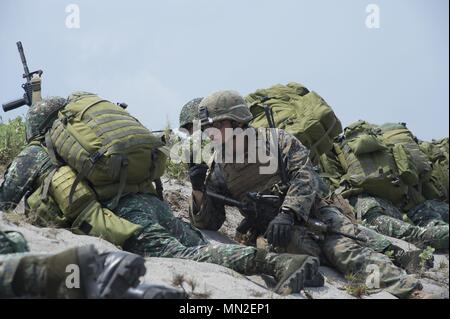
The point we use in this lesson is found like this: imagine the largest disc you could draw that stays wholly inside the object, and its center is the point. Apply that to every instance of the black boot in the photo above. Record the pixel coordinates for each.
(109, 275)
(292, 272)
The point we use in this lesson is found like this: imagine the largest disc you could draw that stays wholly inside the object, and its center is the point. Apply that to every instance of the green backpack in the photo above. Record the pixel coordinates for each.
(300, 112)
(413, 164)
(438, 154)
(369, 164)
(106, 146)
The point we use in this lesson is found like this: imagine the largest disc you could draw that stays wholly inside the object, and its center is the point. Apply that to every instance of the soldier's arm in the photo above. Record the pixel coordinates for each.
(303, 180)
(206, 212)
(21, 174)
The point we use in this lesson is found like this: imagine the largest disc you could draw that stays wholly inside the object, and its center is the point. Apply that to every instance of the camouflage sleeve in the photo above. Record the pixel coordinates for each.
(304, 182)
(21, 174)
(210, 214)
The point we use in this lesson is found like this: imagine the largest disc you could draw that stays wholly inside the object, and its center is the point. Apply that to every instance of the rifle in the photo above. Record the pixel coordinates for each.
(249, 208)
(250, 211)
(32, 86)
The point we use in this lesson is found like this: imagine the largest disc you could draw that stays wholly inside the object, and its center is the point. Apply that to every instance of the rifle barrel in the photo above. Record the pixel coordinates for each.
(226, 200)
(27, 74)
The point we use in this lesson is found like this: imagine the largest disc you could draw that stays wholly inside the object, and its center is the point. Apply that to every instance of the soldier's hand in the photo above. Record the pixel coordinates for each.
(197, 175)
(279, 231)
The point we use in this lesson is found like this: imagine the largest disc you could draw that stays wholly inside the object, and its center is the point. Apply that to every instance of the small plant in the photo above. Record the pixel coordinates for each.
(390, 254)
(176, 171)
(179, 280)
(443, 265)
(425, 256)
(356, 285)
(12, 139)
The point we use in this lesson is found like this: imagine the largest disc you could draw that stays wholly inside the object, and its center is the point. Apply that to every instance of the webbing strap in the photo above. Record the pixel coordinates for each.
(102, 112)
(86, 169)
(91, 105)
(122, 183)
(47, 182)
(99, 131)
(51, 150)
(108, 118)
(113, 137)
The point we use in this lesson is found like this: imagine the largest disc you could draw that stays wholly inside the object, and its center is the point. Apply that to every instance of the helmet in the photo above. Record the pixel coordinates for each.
(40, 116)
(189, 112)
(224, 105)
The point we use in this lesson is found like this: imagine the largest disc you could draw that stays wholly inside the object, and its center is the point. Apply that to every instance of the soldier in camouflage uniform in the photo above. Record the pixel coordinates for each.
(107, 275)
(429, 219)
(284, 223)
(162, 234)
(189, 113)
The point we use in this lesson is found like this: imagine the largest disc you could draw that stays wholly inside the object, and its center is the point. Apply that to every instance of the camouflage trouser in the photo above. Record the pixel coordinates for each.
(351, 257)
(430, 219)
(164, 235)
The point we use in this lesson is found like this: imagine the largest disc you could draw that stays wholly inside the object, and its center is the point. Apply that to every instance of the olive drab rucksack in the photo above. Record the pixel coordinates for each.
(300, 112)
(414, 166)
(369, 164)
(106, 146)
(437, 152)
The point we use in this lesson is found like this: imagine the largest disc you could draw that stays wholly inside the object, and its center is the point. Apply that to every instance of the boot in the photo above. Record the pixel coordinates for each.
(292, 272)
(409, 260)
(109, 275)
(145, 291)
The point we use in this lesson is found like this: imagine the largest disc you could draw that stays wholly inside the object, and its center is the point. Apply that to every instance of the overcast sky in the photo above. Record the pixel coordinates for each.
(156, 55)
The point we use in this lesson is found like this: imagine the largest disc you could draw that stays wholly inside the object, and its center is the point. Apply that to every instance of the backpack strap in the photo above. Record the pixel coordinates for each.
(86, 169)
(51, 150)
(123, 168)
(46, 184)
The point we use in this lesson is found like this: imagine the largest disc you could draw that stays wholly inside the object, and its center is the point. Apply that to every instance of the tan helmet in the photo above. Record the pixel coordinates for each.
(224, 105)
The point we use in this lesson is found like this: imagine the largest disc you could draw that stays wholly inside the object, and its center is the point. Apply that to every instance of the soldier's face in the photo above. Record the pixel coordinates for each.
(221, 126)
(189, 128)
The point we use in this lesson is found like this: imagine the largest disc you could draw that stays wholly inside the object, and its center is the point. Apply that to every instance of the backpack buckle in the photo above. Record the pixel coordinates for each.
(95, 157)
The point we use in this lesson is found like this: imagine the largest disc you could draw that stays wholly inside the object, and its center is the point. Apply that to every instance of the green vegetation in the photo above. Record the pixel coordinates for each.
(12, 139)
(355, 286)
(425, 256)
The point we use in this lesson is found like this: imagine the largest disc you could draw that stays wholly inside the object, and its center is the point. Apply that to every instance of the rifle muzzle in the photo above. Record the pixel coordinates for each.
(14, 104)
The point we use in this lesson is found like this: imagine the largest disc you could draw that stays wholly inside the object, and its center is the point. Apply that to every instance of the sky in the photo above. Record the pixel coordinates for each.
(157, 55)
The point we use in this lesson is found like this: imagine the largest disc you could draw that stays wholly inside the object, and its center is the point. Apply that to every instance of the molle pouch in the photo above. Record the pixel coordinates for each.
(405, 164)
(45, 211)
(100, 222)
(59, 183)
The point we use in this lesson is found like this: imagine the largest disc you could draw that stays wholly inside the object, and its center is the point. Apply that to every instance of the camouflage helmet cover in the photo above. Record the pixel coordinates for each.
(189, 112)
(40, 116)
(226, 105)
